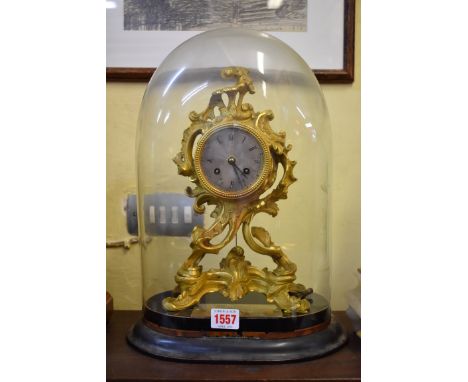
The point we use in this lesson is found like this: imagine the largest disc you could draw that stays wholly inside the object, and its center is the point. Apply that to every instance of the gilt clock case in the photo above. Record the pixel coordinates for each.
(233, 172)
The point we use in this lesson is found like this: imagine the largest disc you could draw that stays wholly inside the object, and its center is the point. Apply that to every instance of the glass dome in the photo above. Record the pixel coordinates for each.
(216, 80)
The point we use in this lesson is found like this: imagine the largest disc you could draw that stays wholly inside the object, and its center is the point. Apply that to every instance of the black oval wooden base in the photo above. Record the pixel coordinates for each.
(235, 349)
(174, 336)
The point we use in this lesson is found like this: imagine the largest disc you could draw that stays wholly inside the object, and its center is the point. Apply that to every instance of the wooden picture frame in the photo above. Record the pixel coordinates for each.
(324, 76)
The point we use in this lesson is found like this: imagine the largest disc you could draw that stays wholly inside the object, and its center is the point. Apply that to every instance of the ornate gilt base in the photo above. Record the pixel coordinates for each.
(235, 278)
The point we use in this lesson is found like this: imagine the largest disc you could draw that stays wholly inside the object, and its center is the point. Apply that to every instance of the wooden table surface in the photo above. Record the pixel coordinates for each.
(124, 363)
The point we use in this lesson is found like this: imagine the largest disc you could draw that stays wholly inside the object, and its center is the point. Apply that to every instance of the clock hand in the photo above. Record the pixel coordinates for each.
(241, 181)
(232, 161)
(238, 169)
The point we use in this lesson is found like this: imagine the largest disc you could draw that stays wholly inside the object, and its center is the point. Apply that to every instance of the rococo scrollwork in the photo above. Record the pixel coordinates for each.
(236, 276)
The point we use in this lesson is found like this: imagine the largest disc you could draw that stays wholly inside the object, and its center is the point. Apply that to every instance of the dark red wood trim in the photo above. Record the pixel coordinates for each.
(264, 335)
(129, 74)
(339, 76)
(349, 35)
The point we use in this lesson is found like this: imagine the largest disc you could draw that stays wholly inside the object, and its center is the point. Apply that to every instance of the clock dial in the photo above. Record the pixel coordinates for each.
(232, 159)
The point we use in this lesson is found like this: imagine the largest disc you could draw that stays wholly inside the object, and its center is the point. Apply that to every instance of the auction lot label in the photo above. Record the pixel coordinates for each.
(225, 318)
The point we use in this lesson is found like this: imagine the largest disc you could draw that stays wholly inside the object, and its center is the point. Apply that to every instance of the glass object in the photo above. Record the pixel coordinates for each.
(210, 83)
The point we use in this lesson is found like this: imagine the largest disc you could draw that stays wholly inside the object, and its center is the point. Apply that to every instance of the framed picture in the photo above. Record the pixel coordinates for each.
(141, 33)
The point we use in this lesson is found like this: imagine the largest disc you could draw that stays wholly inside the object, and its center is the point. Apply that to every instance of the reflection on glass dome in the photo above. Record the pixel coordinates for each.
(233, 149)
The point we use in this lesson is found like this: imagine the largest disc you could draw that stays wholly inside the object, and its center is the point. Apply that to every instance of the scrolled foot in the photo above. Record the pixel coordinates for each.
(182, 301)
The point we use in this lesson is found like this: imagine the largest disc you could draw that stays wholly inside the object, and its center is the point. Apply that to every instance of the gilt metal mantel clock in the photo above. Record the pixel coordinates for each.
(222, 123)
(232, 154)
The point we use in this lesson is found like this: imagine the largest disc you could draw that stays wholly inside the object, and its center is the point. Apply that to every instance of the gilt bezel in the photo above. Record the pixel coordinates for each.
(251, 189)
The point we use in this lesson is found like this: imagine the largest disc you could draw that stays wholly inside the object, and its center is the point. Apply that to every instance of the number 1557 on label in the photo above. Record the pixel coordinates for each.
(224, 318)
